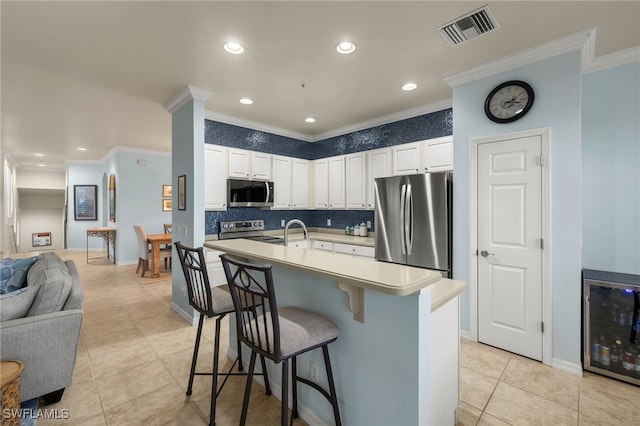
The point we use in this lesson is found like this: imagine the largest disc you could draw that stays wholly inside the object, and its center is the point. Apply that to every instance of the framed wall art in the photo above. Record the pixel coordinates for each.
(41, 239)
(85, 202)
(166, 205)
(166, 191)
(182, 192)
(112, 198)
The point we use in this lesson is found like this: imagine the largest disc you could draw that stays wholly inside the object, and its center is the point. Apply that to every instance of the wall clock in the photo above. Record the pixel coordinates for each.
(509, 101)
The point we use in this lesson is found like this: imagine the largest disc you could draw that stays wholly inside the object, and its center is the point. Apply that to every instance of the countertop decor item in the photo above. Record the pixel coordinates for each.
(509, 101)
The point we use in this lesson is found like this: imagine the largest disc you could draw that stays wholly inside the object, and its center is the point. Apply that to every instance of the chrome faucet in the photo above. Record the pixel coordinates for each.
(286, 230)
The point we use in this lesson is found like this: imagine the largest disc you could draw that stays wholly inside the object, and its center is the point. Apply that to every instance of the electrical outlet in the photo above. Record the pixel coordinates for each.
(313, 371)
(184, 230)
(282, 223)
(328, 222)
(369, 224)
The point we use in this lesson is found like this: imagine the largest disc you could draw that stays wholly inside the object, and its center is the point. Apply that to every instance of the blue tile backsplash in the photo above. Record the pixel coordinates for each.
(425, 126)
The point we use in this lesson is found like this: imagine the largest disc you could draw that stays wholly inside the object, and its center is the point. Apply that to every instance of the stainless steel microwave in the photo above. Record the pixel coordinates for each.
(249, 193)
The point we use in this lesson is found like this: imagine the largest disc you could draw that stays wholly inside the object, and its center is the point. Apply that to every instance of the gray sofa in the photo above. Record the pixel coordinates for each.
(46, 338)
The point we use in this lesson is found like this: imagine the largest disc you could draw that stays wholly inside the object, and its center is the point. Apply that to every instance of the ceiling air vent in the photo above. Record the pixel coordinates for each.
(469, 26)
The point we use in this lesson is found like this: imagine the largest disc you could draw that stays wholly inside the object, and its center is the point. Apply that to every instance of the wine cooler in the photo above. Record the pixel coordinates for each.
(611, 324)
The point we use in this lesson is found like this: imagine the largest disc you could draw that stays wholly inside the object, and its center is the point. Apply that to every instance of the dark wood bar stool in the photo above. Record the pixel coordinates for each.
(280, 334)
(209, 302)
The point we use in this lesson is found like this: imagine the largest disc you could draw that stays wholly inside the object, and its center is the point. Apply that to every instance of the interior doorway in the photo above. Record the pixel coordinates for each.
(510, 225)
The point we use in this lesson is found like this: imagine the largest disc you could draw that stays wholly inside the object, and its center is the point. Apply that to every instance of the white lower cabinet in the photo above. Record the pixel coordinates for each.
(359, 251)
(322, 245)
(299, 244)
(214, 268)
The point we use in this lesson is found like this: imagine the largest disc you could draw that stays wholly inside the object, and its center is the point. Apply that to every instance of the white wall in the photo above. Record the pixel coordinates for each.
(557, 86)
(611, 170)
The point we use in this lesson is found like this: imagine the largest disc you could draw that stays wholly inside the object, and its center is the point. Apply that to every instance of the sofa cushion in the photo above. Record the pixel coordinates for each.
(17, 303)
(13, 273)
(53, 291)
(45, 261)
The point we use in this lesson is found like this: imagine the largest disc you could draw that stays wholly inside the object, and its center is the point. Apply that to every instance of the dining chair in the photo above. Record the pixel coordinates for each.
(277, 333)
(144, 252)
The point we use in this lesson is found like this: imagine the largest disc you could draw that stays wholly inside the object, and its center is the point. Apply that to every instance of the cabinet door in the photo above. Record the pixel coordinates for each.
(336, 182)
(321, 183)
(406, 158)
(281, 182)
(239, 163)
(356, 180)
(438, 154)
(378, 165)
(215, 177)
(260, 166)
(300, 183)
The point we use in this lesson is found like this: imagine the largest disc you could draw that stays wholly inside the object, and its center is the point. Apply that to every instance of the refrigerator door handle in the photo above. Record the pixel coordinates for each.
(403, 199)
(409, 220)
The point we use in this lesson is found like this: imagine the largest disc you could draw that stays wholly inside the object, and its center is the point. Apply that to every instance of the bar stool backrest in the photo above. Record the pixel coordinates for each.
(255, 305)
(194, 267)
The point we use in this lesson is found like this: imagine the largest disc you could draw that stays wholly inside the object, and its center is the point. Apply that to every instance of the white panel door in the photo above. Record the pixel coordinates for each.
(239, 163)
(215, 177)
(356, 181)
(321, 183)
(281, 182)
(378, 165)
(300, 183)
(336, 182)
(260, 165)
(406, 158)
(510, 245)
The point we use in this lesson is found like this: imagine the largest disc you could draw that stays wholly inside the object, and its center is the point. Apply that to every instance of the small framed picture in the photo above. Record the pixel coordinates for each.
(166, 191)
(166, 205)
(85, 200)
(41, 239)
(182, 192)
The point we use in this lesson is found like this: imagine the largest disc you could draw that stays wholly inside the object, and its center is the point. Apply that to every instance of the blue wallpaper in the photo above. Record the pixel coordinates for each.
(426, 126)
(228, 135)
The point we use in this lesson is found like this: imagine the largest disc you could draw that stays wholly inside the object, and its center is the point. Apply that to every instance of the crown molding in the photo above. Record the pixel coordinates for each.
(385, 119)
(8, 154)
(184, 96)
(535, 54)
(119, 148)
(42, 169)
(236, 121)
(611, 60)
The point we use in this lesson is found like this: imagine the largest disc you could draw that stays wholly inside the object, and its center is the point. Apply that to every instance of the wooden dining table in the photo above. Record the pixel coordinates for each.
(156, 240)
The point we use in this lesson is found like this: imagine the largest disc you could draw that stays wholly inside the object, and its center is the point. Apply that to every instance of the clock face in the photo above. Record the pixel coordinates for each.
(509, 101)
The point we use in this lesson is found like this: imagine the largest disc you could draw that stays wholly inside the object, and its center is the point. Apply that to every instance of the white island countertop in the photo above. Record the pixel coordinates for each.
(389, 278)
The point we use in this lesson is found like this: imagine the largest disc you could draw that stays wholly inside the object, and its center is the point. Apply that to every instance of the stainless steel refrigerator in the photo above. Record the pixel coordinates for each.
(413, 220)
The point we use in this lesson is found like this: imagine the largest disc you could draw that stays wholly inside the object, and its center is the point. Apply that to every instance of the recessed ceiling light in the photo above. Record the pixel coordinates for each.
(80, 148)
(346, 47)
(310, 120)
(246, 101)
(41, 164)
(37, 154)
(233, 47)
(409, 86)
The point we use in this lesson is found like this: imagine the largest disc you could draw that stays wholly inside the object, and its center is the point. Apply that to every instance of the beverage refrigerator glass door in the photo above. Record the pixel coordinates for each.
(249, 193)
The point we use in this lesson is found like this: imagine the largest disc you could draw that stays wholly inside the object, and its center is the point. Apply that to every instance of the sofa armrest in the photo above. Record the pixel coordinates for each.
(46, 345)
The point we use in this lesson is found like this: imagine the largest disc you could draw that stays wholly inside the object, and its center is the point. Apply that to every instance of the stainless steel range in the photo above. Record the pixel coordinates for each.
(249, 229)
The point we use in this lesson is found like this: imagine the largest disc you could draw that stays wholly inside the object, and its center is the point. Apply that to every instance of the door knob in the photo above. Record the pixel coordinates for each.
(485, 253)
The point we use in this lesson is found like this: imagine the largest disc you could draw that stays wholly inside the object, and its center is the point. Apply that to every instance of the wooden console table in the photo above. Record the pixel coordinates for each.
(106, 233)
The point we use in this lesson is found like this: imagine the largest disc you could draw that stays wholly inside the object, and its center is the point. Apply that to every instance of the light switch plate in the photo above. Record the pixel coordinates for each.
(328, 222)
(282, 223)
(369, 224)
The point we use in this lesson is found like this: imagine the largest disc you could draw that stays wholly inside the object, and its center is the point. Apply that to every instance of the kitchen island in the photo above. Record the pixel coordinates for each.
(396, 359)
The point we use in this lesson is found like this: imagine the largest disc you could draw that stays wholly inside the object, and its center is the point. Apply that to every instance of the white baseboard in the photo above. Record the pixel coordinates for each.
(566, 366)
(304, 412)
(184, 315)
(466, 335)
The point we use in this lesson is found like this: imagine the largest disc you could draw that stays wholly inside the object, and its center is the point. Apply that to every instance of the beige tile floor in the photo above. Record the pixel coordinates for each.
(134, 357)
(500, 388)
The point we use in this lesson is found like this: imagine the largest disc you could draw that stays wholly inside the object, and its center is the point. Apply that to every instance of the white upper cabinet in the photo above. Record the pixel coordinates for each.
(336, 182)
(378, 165)
(406, 158)
(300, 183)
(260, 166)
(281, 182)
(215, 177)
(290, 182)
(321, 183)
(356, 180)
(438, 154)
(249, 164)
